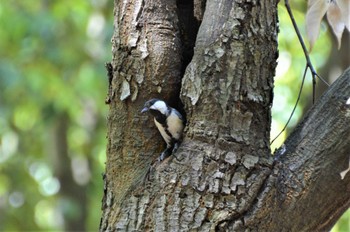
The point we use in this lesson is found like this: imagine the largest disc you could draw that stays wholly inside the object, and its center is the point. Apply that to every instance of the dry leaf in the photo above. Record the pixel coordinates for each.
(344, 6)
(316, 11)
(335, 21)
(338, 15)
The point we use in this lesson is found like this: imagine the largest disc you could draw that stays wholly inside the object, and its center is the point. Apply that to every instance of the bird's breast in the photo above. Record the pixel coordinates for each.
(162, 131)
(175, 126)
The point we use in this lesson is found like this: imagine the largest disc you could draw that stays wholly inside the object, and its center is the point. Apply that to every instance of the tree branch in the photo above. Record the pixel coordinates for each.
(306, 184)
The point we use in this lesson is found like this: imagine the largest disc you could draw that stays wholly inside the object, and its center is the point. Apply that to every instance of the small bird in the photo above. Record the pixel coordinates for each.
(169, 122)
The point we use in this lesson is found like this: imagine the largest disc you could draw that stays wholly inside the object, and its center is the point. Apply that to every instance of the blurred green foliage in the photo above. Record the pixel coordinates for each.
(290, 69)
(52, 112)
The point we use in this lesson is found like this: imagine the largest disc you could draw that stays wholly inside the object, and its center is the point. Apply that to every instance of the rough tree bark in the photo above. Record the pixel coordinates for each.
(225, 177)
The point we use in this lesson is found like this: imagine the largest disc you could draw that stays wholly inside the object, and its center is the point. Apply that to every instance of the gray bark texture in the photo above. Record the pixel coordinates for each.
(215, 62)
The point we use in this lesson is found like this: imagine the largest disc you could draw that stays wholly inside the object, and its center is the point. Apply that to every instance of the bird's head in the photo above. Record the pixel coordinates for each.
(155, 104)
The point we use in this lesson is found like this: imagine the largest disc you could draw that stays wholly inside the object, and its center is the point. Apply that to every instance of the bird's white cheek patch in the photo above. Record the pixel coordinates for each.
(348, 101)
(160, 106)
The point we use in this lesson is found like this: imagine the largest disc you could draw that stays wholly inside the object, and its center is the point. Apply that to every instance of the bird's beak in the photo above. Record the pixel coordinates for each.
(144, 109)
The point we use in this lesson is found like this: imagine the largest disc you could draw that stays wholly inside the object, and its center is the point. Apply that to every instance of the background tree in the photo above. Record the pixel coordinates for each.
(226, 178)
(52, 113)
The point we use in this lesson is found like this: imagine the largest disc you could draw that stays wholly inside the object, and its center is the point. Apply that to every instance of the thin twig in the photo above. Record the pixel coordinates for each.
(295, 106)
(308, 66)
(306, 53)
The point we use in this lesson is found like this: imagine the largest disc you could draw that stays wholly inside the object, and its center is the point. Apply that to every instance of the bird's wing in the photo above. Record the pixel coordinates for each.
(177, 113)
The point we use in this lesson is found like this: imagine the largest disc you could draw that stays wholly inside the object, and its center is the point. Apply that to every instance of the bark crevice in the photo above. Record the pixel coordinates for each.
(189, 26)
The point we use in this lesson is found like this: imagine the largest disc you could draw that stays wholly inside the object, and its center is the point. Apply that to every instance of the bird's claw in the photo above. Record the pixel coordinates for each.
(176, 146)
(169, 151)
(165, 154)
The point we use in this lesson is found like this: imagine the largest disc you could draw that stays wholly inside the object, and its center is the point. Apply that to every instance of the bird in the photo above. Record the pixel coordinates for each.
(169, 122)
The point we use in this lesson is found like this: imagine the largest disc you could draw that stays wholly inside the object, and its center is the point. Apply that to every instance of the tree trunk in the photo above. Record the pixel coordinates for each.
(73, 196)
(224, 176)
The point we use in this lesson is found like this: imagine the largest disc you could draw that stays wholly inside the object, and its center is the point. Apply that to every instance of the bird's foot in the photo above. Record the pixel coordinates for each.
(169, 151)
(176, 146)
(165, 154)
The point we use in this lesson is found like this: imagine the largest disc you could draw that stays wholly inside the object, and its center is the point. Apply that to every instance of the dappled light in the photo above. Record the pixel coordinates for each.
(52, 113)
